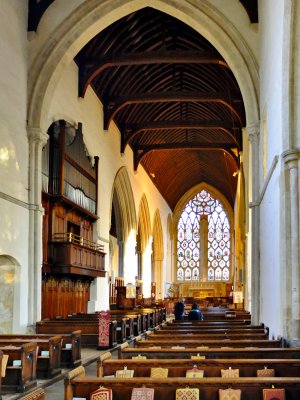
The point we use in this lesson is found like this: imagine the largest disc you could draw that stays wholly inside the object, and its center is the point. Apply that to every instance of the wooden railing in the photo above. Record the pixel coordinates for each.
(72, 238)
(72, 254)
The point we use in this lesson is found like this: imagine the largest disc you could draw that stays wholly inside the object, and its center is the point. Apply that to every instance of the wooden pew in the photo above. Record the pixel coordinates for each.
(166, 388)
(223, 331)
(209, 342)
(70, 345)
(225, 315)
(211, 368)
(20, 377)
(125, 325)
(37, 394)
(48, 365)
(132, 318)
(157, 336)
(89, 329)
(209, 325)
(211, 353)
(220, 324)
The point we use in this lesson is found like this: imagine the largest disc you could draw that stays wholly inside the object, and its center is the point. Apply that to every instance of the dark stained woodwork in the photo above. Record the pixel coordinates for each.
(113, 105)
(90, 67)
(36, 9)
(64, 296)
(21, 378)
(157, 78)
(251, 7)
(165, 388)
(141, 151)
(128, 132)
(70, 258)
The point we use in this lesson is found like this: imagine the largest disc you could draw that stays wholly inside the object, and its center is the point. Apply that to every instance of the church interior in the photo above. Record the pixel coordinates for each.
(149, 160)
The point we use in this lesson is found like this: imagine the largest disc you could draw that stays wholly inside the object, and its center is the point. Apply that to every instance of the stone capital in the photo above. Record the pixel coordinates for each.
(37, 135)
(291, 157)
(253, 131)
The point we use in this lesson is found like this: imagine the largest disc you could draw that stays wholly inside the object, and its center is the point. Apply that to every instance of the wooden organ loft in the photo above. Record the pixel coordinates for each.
(71, 260)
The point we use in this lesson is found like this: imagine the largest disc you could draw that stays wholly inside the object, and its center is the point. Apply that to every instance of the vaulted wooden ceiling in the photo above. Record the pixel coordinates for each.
(171, 94)
(173, 98)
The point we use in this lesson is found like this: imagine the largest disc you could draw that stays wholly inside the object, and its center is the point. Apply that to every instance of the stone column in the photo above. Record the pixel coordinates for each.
(203, 247)
(37, 139)
(99, 295)
(291, 160)
(253, 135)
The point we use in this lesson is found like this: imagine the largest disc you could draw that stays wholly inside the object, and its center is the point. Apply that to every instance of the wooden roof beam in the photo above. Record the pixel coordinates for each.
(130, 132)
(113, 105)
(90, 67)
(140, 151)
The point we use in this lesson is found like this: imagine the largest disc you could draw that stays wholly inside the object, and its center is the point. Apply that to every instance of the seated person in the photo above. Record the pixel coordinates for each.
(195, 313)
(179, 310)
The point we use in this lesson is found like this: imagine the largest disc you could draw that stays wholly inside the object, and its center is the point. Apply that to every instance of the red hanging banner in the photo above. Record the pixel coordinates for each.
(103, 331)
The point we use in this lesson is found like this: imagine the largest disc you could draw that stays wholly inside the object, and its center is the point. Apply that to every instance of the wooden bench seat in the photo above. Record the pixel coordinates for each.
(89, 329)
(21, 377)
(224, 323)
(224, 315)
(70, 345)
(211, 368)
(48, 356)
(37, 394)
(212, 330)
(162, 336)
(126, 323)
(166, 388)
(211, 353)
(207, 342)
(207, 325)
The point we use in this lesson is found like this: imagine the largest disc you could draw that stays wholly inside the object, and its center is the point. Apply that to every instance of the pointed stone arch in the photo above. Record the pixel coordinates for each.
(158, 255)
(62, 38)
(9, 294)
(84, 21)
(144, 245)
(144, 222)
(125, 216)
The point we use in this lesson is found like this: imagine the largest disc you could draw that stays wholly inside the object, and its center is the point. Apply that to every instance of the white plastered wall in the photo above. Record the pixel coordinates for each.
(14, 150)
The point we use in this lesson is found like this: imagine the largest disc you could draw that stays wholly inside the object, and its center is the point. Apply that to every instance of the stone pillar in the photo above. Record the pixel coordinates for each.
(253, 135)
(291, 160)
(99, 295)
(37, 139)
(203, 247)
(157, 276)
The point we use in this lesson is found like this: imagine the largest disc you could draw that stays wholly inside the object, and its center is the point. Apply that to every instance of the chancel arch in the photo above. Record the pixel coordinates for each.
(203, 233)
(157, 256)
(9, 293)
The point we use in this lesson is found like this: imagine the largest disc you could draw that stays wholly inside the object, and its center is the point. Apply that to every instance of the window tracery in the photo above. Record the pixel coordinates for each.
(218, 240)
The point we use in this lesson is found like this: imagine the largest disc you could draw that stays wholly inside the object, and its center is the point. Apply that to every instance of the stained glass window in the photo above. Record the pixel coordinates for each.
(218, 240)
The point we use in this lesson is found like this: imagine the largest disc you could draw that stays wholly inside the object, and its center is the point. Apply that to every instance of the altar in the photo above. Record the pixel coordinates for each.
(202, 290)
(202, 293)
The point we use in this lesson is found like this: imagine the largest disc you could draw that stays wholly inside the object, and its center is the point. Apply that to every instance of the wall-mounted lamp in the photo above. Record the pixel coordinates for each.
(152, 174)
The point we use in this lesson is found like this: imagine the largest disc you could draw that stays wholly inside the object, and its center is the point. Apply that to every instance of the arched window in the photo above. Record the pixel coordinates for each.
(216, 248)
